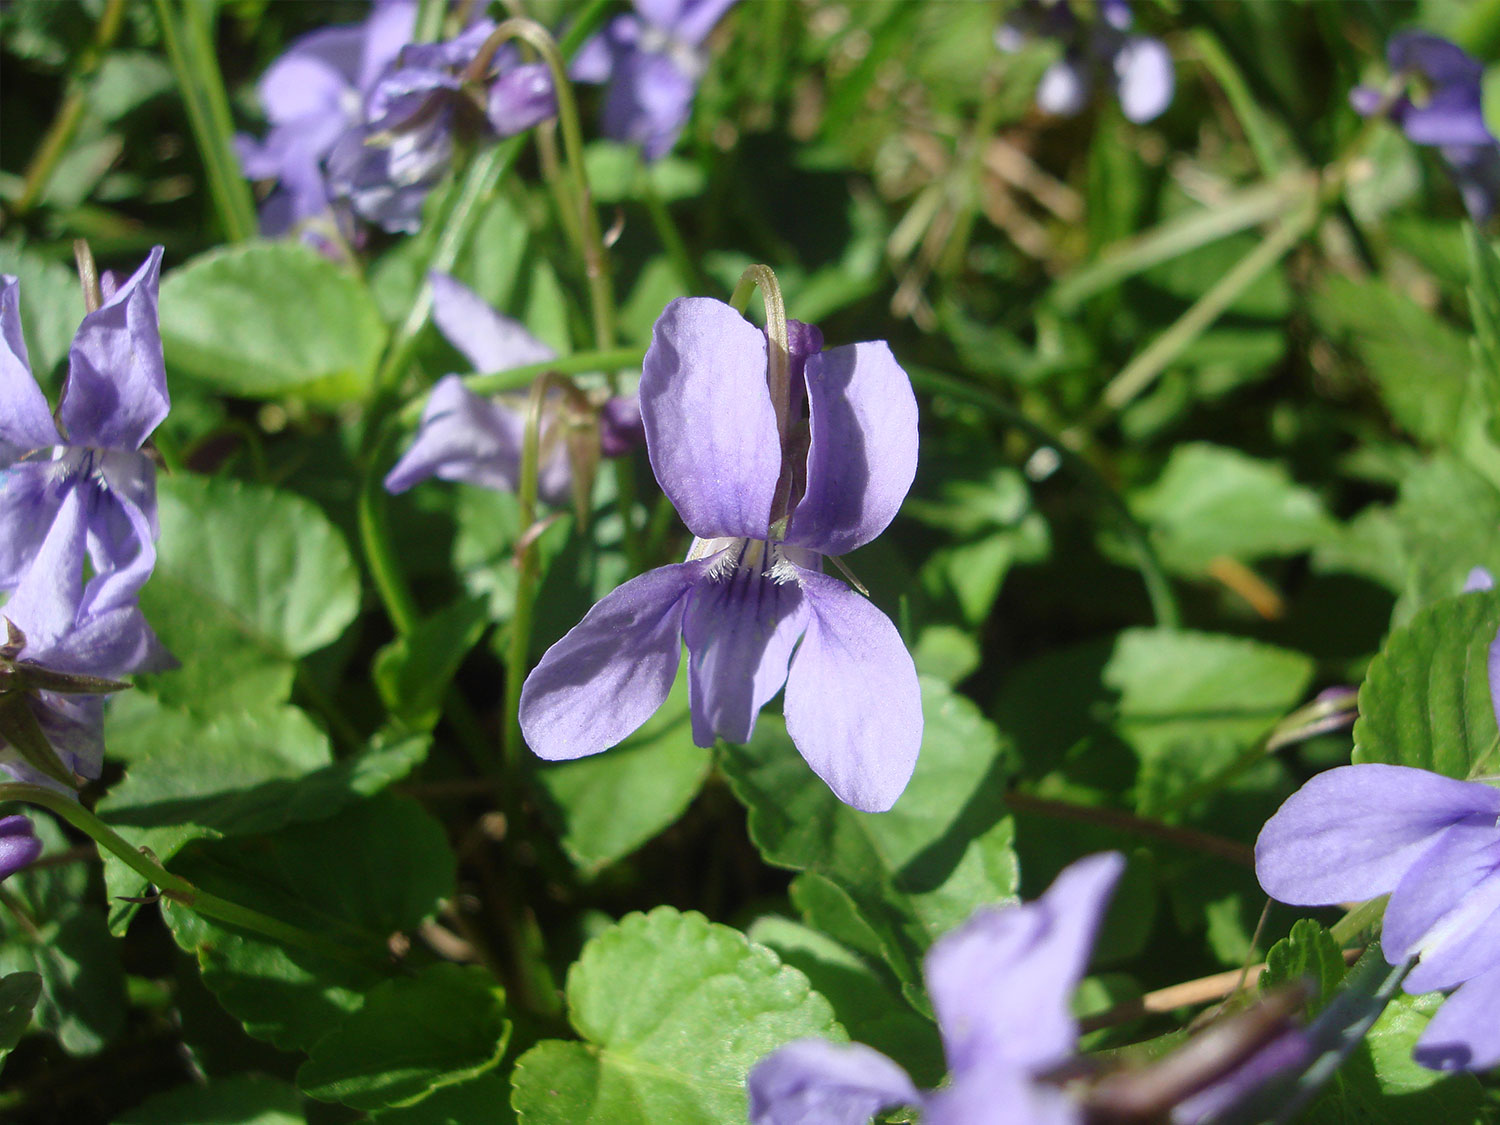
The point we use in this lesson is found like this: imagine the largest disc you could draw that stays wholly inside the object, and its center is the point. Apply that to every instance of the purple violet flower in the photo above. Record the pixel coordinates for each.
(114, 397)
(19, 846)
(1000, 985)
(464, 437)
(1433, 844)
(314, 96)
(752, 584)
(1137, 67)
(653, 61)
(1451, 118)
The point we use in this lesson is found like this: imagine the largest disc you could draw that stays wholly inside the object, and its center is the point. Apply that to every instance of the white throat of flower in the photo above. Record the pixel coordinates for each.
(775, 561)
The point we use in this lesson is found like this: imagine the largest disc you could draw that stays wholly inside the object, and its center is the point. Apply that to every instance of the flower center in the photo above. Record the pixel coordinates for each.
(776, 561)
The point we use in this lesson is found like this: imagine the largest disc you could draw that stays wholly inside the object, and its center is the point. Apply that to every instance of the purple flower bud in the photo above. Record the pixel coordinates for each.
(19, 846)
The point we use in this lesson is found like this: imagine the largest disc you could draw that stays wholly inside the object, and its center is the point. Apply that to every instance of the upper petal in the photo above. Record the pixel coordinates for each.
(1351, 833)
(462, 437)
(388, 29)
(710, 430)
(1001, 983)
(853, 704)
(25, 420)
(117, 383)
(1465, 1035)
(1447, 909)
(311, 79)
(815, 1082)
(489, 341)
(740, 632)
(612, 669)
(997, 1093)
(863, 449)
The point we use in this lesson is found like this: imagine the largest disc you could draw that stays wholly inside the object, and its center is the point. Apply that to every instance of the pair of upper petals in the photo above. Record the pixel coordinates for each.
(712, 437)
(117, 384)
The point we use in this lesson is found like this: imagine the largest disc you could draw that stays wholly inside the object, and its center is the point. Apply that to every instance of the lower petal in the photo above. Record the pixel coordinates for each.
(30, 495)
(853, 705)
(612, 669)
(462, 438)
(1465, 1033)
(740, 633)
(1444, 905)
(814, 1082)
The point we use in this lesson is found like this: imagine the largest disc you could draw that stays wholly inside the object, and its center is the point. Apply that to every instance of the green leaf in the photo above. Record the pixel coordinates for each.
(914, 872)
(51, 925)
(1211, 500)
(243, 1099)
(377, 868)
(413, 1036)
(484, 1100)
(674, 1011)
(413, 672)
(610, 804)
(1426, 700)
(269, 319)
(1448, 518)
(247, 580)
(228, 775)
(19, 992)
(1307, 953)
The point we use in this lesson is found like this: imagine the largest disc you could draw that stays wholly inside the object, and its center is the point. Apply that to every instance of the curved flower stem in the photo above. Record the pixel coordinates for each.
(1190, 839)
(778, 358)
(180, 891)
(44, 161)
(515, 378)
(1158, 587)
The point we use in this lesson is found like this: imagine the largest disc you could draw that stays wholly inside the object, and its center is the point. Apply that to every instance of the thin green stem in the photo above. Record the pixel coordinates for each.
(1153, 574)
(178, 890)
(429, 25)
(1247, 110)
(515, 378)
(778, 358)
(375, 538)
(518, 651)
(65, 124)
(190, 52)
(683, 264)
(1357, 921)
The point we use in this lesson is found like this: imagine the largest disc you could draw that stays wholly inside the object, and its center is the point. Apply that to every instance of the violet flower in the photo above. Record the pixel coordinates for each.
(653, 61)
(1000, 985)
(464, 437)
(19, 846)
(411, 113)
(752, 584)
(1450, 118)
(114, 397)
(1433, 844)
(314, 96)
(1138, 68)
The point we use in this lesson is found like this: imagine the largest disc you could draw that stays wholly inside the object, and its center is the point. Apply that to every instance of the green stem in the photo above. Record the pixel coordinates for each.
(518, 651)
(1357, 921)
(190, 51)
(515, 378)
(375, 538)
(178, 890)
(683, 264)
(778, 358)
(65, 124)
(1247, 110)
(429, 25)
(1158, 587)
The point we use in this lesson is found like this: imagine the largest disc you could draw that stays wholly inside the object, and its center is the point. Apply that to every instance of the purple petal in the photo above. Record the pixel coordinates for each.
(1476, 171)
(740, 631)
(863, 451)
(1481, 579)
(1465, 1035)
(594, 60)
(1365, 100)
(1351, 833)
(814, 1082)
(1447, 909)
(1453, 113)
(648, 101)
(620, 426)
(1290, 1048)
(25, 420)
(74, 726)
(117, 383)
(1002, 983)
(111, 644)
(30, 495)
(19, 845)
(404, 92)
(995, 1093)
(520, 98)
(1116, 13)
(45, 604)
(612, 669)
(122, 540)
(710, 430)
(1144, 78)
(853, 704)
(489, 341)
(388, 29)
(313, 77)
(697, 18)
(1065, 87)
(462, 438)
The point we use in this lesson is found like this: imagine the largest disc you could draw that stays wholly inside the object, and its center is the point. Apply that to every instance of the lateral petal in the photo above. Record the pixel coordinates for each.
(612, 670)
(815, 1082)
(1465, 1033)
(1444, 906)
(25, 420)
(853, 704)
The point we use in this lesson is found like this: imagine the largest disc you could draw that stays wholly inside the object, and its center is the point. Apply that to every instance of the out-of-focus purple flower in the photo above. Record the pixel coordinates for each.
(386, 169)
(653, 61)
(464, 437)
(1451, 117)
(19, 846)
(1000, 985)
(1479, 579)
(114, 397)
(314, 96)
(1433, 844)
(752, 586)
(1137, 67)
